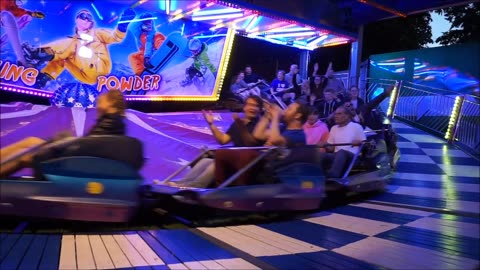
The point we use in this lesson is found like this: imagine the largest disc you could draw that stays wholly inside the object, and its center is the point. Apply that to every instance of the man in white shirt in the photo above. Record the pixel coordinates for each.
(344, 132)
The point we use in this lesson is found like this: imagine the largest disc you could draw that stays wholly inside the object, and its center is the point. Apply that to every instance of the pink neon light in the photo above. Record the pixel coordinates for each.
(194, 5)
(27, 91)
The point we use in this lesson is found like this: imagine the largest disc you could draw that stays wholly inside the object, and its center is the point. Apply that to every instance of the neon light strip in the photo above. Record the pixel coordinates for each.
(25, 90)
(167, 6)
(216, 17)
(298, 34)
(139, 20)
(251, 23)
(317, 40)
(96, 11)
(194, 5)
(217, 12)
(288, 30)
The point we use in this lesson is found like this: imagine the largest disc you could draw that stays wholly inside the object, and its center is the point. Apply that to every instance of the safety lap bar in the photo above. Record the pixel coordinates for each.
(243, 170)
(354, 159)
(181, 169)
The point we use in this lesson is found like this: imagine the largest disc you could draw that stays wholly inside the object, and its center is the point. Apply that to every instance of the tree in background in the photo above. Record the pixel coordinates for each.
(397, 34)
(465, 26)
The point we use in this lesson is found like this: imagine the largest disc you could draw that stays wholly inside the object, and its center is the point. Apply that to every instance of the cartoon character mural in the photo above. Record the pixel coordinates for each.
(100, 54)
(201, 62)
(85, 54)
(14, 18)
(149, 40)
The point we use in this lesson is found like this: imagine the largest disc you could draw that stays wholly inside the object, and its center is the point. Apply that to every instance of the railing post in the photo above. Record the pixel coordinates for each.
(392, 106)
(454, 119)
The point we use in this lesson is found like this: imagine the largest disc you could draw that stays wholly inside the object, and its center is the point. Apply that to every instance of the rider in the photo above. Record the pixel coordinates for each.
(344, 132)
(111, 108)
(242, 89)
(239, 133)
(291, 134)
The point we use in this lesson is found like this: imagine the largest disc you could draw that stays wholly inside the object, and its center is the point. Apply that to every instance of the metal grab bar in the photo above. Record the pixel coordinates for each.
(354, 159)
(244, 169)
(181, 169)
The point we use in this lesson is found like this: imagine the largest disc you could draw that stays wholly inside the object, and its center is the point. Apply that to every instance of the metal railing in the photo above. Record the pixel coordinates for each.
(427, 109)
(373, 87)
(467, 131)
(431, 109)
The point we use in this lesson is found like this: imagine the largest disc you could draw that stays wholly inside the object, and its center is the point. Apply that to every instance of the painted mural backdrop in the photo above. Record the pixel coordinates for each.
(77, 49)
(453, 68)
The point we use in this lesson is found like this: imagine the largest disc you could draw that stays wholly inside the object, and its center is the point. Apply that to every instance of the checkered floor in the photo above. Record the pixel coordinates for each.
(427, 219)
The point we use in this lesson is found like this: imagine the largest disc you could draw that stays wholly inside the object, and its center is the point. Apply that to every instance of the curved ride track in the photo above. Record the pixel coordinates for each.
(427, 219)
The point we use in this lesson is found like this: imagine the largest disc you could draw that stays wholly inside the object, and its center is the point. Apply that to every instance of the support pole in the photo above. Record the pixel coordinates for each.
(303, 65)
(356, 59)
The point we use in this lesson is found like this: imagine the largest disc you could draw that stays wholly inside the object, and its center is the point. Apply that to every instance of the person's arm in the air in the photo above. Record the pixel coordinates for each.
(276, 137)
(261, 129)
(219, 136)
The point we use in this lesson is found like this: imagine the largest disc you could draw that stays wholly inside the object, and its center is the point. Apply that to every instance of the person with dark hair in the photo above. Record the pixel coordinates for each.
(289, 133)
(315, 130)
(294, 80)
(250, 76)
(329, 103)
(241, 89)
(281, 87)
(353, 97)
(228, 161)
(345, 131)
(239, 133)
(111, 108)
(317, 85)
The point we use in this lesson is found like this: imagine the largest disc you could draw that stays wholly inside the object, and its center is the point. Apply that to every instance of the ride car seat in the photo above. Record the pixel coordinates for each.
(122, 149)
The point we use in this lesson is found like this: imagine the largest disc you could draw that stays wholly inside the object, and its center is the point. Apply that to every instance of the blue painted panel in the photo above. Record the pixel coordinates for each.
(287, 262)
(411, 200)
(374, 214)
(456, 160)
(6, 245)
(444, 242)
(410, 131)
(175, 247)
(337, 261)
(315, 234)
(12, 261)
(34, 253)
(408, 167)
(159, 249)
(402, 139)
(450, 181)
(51, 253)
(194, 242)
(411, 151)
(457, 218)
(435, 145)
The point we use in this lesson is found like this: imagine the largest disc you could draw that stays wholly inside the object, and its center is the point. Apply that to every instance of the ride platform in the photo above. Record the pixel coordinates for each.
(428, 218)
